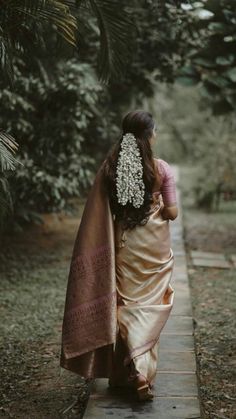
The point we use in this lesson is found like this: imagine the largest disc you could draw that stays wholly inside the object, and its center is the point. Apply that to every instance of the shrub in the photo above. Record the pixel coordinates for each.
(216, 158)
(58, 121)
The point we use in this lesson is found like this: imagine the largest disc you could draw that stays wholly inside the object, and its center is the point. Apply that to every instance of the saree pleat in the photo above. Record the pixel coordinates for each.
(144, 266)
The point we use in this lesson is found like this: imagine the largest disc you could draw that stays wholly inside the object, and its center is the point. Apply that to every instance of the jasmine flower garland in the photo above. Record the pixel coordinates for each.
(129, 180)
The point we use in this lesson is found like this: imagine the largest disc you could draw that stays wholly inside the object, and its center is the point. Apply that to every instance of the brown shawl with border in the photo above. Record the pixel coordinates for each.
(90, 315)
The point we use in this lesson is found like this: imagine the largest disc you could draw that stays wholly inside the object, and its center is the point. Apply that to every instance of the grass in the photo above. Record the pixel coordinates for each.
(34, 271)
(213, 294)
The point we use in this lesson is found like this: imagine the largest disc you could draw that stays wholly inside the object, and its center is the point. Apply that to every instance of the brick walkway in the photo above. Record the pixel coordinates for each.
(176, 391)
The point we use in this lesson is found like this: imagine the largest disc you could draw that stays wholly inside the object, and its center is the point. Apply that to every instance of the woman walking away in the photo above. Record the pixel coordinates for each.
(119, 295)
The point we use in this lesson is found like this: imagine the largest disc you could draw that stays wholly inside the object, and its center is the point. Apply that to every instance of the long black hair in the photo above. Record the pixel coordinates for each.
(141, 124)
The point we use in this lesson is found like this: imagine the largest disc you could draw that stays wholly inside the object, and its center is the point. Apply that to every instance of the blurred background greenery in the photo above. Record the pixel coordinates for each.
(71, 69)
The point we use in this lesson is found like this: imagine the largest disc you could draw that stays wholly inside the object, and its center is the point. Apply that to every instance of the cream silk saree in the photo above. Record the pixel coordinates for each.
(144, 265)
(119, 295)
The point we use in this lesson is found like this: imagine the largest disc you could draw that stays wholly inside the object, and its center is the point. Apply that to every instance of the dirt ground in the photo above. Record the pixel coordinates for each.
(34, 267)
(213, 294)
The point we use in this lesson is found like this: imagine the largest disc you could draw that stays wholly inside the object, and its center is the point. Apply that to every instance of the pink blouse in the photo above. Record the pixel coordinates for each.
(168, 187)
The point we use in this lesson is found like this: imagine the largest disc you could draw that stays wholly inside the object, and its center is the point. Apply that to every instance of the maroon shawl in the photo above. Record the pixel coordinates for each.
(90, 316)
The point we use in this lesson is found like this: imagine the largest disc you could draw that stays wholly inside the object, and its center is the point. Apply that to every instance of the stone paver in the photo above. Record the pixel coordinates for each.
(209, 259)
(207, 255)
(167, 408)
(181, 325)
(176, 343)
(211, 263)
(176, 390)
(176, 361)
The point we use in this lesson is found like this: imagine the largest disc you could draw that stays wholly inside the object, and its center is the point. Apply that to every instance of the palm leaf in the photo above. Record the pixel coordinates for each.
(6, 202)
(6, 58)
(20, 26)
(16, 14)
(116, 28)
(8, 147)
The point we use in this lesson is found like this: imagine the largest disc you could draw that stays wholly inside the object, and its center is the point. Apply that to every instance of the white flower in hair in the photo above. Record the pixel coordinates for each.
(129, 180)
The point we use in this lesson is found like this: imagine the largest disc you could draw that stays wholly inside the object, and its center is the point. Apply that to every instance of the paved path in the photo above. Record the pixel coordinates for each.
(176, 391)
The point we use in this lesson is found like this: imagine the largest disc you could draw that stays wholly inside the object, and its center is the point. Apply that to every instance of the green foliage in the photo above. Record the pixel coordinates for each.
(115, 29)
(157, 50)
(181, 120)
(8, 147)
(188, 132)
(20, 26)
(60, 120)
(215, 154)
(212, 61)
(24, 26)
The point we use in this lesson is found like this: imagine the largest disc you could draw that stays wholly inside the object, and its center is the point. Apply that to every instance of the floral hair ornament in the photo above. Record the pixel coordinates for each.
(129, 180)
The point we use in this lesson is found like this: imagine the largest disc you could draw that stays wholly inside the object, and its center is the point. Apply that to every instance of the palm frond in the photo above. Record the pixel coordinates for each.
(6, 202)
(21, 27)
(16, 14)
(116, 28)
(22, 20)
(8, 147)
(6, 54)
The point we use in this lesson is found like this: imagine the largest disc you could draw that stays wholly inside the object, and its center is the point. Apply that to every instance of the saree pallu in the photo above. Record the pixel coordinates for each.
(144, 266)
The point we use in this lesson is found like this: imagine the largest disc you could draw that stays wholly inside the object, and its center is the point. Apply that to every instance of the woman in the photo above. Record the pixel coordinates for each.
(119, 295)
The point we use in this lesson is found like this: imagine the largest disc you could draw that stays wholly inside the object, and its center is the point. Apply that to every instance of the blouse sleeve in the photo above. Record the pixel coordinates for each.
(168, 187)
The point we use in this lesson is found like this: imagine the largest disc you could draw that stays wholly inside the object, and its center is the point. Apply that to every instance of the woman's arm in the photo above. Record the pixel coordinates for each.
(168, 191)
(170, 213)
